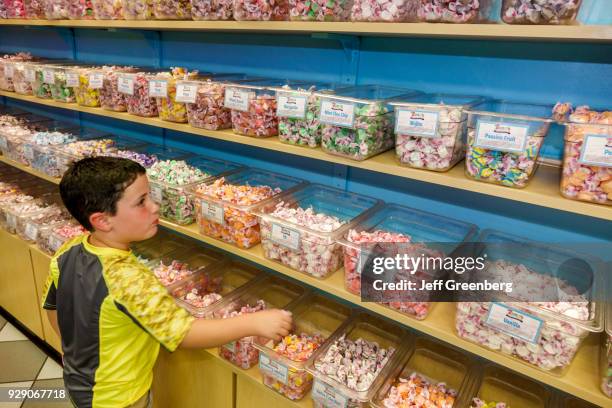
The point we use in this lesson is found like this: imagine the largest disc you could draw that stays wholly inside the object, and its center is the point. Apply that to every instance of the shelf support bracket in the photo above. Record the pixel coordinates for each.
(351, 45)
(340, 176)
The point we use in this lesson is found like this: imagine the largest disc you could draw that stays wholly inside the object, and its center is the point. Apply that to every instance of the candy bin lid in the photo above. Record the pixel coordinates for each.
(155, 153)
(211, 169)
(266, 84)
(367, 94)
(514, 110)
(436, 101)
(193, 259)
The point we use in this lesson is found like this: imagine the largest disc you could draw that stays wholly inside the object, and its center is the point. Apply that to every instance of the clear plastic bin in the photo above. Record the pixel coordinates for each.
(154, 249)
(319, 10)
(497, 384)
(358, 121)
(176, 201)
(22, 79)
(21, 150)
(504, 140)
(264, 10)
(57, 9)
(212, 9)
(315, 315)
(606, 348)
(12, 211)
(28, 226)
(44, 77)
(546, 331)
(148, 155)
(172, 9)
(430, 130)
(587, 163)
(395, 11)
(91, 81)
(81, 10)
(18, 132)
(227, 212)
(43, 234)
(540, 11)
(328, 391)
(253, 106)
(419, 232)
(267, 293)
(311, 247)
(65, 82)
(110, 97)
(50, 239)
(446, 369)
(445, 11)
(214, 282)
(136, 87)
(170, 104)
(35, 9)
(108, 9)
(7, 69)
(175, 267)
(15, 8)
(138, 9)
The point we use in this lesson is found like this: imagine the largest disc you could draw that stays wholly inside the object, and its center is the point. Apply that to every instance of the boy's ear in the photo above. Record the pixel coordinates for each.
(100, 222)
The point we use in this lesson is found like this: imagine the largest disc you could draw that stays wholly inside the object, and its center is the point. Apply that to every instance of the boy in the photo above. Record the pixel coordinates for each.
(110, 310)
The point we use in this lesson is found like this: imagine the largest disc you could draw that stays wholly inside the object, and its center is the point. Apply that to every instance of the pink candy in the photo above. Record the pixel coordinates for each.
(241, 352)
(212, 9)
(15, 8)
(208, 111)
(260, 120)
(138, 9)
(140, 103)
(108, 9)
(172, 9)
(172, 273)
(449, 11)
(35, 9)
(383, 10)
(319, 10)
(261, 10)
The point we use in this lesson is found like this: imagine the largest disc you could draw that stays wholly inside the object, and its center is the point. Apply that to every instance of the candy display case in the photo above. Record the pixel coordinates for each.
(140, 101)
(358, 121)
(300, 230)
(171, 183)
(22, 78)
(504, 140)
(212, 9)
(81, 10)
(200, 292)
(540, 11)
(430, 130)
(267, 293)
(372, 347)
(170, 100)
(27, 226)
(172, 9)
(587, 162)
(138, 9)
(51, 238)
(453, 11)
(57, 9)
(283, 364)
(91, 83)
(149, 154)
(430, 374)
(225, 206)
(65, 81)
(319, 10)
(176, 266)
(555, 303)
(34, 9)
(402, 230)
(44, 76)
(7, 69)
(261, 10)
(110, 96)
(108, 9)
(22, 149)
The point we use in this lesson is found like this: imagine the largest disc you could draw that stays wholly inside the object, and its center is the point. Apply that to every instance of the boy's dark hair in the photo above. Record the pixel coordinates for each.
(95, 184)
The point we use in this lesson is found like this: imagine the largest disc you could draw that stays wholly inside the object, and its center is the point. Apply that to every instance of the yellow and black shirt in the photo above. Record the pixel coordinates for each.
(113, 314)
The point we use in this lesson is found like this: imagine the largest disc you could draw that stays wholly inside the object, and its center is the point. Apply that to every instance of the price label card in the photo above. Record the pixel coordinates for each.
(9, 70)
(125, 84)
(54, 243)
(72, 79)
(28, 152)
(290, 106)
(416, 122)
(48, 76)
(337, 113)
(31, 231)
(327, 396)
(186, 93)
(514, 322)
(231, 347)
(11, 220)
(504, 137)
(212, 211)
(96, 80)
(596, 151)
(3, 143)
(237, 99)
(274, 369)
(156, 193)
(30, 74)
(158, 88)
(286, 237)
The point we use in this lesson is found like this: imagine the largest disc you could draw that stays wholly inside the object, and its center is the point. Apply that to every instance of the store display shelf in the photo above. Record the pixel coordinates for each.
(575, 33)
(542, 191)
(581, 380)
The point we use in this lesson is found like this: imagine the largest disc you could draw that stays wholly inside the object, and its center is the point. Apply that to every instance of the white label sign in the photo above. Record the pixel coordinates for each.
(158, 88)
(54, 243)
(125, 84)
(156, 193)
(72, 79)
(337, 113)
(597, 150)
(3, 143)
(11, 220)
(96, 80)
(48, 76)
(212, 212)
(290, 106)
(231, 347)
(30, 74)
(286, 237)
(9, 70)
(28, 152)
(416, 122)
(237, 99)
(501, 136)
(514, 322)
(186, 93)
(327, 396)
(274, 369)
(31, 231)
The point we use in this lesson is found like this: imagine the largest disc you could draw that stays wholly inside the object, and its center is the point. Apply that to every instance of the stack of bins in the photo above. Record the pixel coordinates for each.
(140, 100)
(65, 81)
(22, 149)
(148, 155)
(170, 100)
(52, 237)
(178, 265)
(44, 76)
(163, 243)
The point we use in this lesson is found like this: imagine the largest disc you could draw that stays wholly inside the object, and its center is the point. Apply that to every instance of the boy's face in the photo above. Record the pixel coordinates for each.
(137, 216)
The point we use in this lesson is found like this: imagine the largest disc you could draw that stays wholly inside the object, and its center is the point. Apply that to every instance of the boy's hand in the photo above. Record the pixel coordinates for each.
(272, 324)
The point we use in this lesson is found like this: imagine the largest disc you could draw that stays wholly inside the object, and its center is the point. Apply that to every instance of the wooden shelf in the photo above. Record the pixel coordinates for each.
(575, 33)
(581, 380)
(542, 191)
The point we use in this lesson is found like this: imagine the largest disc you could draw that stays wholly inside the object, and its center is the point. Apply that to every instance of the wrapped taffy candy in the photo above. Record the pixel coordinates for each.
(392, 11)
(417, 389)
(57, 9)
(587, 161)
(358, 121)
(65, 81)
(110, 96)
(451, 11)
(27, 229)
(7, 69)
(224, 207)
(22, 78)
(22, 150)
(44, 77)
(60, 234)
(540, 11)
(212, 9)
(148, 155)
(81, 10)
(430, 130)
(15, 8)
(504, 141)
(170, 103)
(138, 9)
(261, 10)
(91, 81)
(172, 9)
(319, 10)
(10, 212)
(108, 9)
(35, 9)
(136, 86)
(184, 263)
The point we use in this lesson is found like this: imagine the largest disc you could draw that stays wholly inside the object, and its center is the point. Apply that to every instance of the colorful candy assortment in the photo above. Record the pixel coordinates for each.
(81, 10)
(259, 119)
(418, 391)
(28, 226)
(60, 90)
(172, 9)
(209, 111)
(306, 131)
(449, 11)
(167, 106)
(261, 10)
(539, 11)
(212, 9)
(7, 69)
(392, 11)
(478, 403)
(108, 9)
(172, 273)
(110, 97)
(138, 9)
(319, 10)
(138, 100)
(35, 9)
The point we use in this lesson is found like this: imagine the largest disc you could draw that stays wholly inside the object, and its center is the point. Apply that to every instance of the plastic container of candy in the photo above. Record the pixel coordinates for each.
(283, 364)
(430, 374)
(494, 384)
(15, 133)
(81, 10)
(136, 86)
(91, 81)
(504, 140)
(358, 121)
(402, 230)
(61, 234)
(212, 9)
(15, 8)
(44, 232)
(171, 184)
(163, 243)
(65, 81)
(170, 103)
(540, 11)
(267, 293)
(110, 97)
(605, 354)
(430, 130)
(35, 9)
(452, 11)
(138, 10)
(554, 305)
(172, 9)
(225, 206)
(200, 292)
(27, 227)
(301, 229)
(587, 162)
(57, 9)
(395, 11)
(7, 69)
(44, 76)
(320, 10)
(108, 9)
(176, 266)
(298, 111)
(375, 346)
(148, 155)
(261, 10)
(22, 78)
(12, 211)
(21, 149)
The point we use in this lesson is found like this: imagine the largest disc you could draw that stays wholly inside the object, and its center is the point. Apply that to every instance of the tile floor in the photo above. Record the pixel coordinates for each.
(23, 364)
